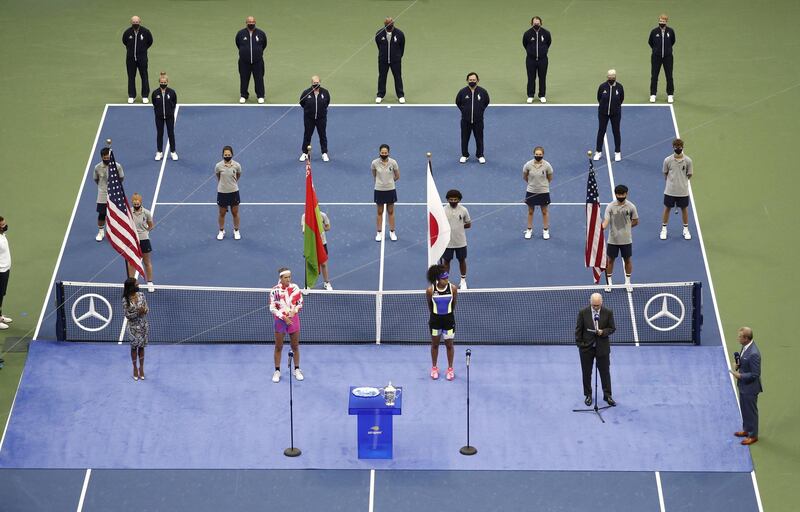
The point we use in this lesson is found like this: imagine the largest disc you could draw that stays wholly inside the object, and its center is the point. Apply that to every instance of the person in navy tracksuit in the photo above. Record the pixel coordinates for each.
(610, 96)
(251, 42)
(536, 41)
(315, 101)
(661, 41)
(391, 44)
(137, 40)
(472, 101)
(748, 380)
(165, 100)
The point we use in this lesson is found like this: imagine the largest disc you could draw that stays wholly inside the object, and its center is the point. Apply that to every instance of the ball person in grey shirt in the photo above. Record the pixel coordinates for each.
(538, 173)
(620, 218)
(677, 173)
(459, 220)
(228, 172)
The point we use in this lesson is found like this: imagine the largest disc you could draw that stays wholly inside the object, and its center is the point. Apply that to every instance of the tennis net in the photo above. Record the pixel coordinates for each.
(660, 313)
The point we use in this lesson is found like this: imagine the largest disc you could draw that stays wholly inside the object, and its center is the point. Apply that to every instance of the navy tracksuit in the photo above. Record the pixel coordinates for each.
(609, 99)
(472, 105)
(315, 115)
(137, 42)
(536, 44)
(661, 44)
(391, 46)
(251, 47)
(164, 103)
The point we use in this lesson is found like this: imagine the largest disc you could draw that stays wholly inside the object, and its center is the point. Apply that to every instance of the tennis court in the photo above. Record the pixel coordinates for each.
(211, 409)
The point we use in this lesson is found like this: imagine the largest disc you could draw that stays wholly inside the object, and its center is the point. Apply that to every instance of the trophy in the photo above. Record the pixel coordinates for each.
(389, 394)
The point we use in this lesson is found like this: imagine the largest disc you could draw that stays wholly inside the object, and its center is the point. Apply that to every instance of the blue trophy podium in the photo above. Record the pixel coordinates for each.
(374, 423)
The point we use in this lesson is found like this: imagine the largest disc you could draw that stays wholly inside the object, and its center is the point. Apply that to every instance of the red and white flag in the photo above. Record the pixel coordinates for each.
(120, 227)
(595, 239)
(438, 226)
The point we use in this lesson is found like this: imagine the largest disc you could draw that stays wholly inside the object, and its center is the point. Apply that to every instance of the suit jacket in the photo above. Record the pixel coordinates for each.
(584, 339)
(750, 369)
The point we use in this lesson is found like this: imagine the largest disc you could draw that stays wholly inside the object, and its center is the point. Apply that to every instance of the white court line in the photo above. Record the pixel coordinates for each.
(379, 295)
(8, 419)
(371, 490)
(84, 488)
(520, 203)
(714, 298)
(610, 168)
(385, 105)
(660, 492)
(633, 319)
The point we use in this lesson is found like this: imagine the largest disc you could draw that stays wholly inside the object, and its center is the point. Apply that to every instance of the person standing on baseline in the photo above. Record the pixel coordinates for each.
(678, 171)
(536, 41)
(472, 101)
(315, 101)
(391, 44)
(100, 176)
(610, 96)
(251, 42)
(594, 326)
(748, 380)
(661, 41)
(137, 40)
(165, 100)
(5, 271)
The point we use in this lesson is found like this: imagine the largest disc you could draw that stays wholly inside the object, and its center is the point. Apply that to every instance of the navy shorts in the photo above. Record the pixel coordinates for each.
(537, 198)
(325, 246)
(385, 196)
(673, 201)
(227, 199)
(459, 252)
(102, 208)
(146, 246)
(614, 250)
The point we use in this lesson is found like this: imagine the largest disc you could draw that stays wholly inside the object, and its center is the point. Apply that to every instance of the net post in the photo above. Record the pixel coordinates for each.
(61, 316)
(697, 311)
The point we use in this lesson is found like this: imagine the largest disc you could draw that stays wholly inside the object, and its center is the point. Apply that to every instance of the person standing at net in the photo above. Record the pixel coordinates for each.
(5, 271)
(678, 171)
(326, 226)
(610, 96)
(748, 380)
(165, 100)
(386, 172)
(228, 171)
(536, 41)
(661, 41)
(143, 220)
(285, 302)
(251, 42)
(315, 101)
(620, 218)
(538, 173)
(459, 220)
(441, 296)
(391, 44)
(137, 40)
(594, 326)
(100, 176)
(136, 309)
(472, 101)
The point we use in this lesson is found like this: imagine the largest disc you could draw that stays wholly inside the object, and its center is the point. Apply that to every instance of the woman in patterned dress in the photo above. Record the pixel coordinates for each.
(135, 306)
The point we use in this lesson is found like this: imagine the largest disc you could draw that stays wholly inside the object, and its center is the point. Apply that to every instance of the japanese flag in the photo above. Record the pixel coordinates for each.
(438, 226)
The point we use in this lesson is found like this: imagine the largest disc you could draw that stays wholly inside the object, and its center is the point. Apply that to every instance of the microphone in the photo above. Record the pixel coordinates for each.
(736, 359)
(469, 355)
(596, 320)
(291, 356)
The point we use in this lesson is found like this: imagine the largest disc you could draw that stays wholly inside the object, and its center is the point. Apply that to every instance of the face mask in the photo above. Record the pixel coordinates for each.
(5, 228)
(452, 204)
(538, 158)
(227, 158)
(384, 157)
(106, 162)
(662, 25)
(678, 151)
(135, 27)
(536, 26)
(611, 81)
(315, 86)
(137, 207)
(251, 26)
(389, 28)
(472, 84)
(621, 199)
(163, 86)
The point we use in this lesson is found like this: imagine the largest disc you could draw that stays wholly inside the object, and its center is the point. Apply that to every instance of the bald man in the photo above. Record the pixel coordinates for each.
(315, 101)
(748, 379)
(594, 326)
(137, 40)
(251, 42)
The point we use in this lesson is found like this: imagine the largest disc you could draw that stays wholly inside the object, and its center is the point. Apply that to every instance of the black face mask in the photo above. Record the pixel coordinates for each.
(5, 228)
(678, 151)
(452, 204)
(106, 162)
(472, 84)
(536, 27)
(538, 158)
(389, 28)
(612, 82)
(227, 158)
(315, 86)
(622, 199)
(662, 25)
(137, 208)
(135, 27)
(163, 86)
(384, 157)
(251, 26)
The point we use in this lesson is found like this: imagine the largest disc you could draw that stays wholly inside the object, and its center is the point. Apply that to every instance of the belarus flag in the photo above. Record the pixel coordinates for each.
(438, 226)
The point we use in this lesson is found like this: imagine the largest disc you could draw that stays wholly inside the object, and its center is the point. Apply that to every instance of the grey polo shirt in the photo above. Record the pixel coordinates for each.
(537, 173)
(677, 173)
(228, 175)
(141, 219)
(385, 174)
(619, 217)
(457, 217)
(101, 177)
(326, 224)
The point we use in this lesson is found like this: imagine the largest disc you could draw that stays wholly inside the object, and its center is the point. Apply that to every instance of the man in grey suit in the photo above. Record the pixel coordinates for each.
(595, 324)
(748, 380)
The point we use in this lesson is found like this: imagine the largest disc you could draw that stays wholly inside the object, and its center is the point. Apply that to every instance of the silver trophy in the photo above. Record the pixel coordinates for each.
(389, 394)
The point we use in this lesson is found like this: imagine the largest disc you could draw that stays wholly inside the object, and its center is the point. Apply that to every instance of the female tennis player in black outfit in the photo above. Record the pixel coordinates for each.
(441, 296)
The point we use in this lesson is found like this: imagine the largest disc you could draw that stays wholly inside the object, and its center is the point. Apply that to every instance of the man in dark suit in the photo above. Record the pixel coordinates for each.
(748, 380)
(595, 324)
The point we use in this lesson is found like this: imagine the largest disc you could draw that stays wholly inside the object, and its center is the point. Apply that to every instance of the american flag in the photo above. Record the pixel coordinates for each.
(120, 227)
(595, 240)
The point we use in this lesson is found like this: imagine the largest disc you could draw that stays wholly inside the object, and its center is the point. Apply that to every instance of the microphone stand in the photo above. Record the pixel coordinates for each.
(292, 451)
(595, 409)
(467, 449)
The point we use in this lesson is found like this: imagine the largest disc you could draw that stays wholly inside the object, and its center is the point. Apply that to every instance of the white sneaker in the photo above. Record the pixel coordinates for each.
(261, 100)
(686, 234)
(303, 157)
(159, 156)
(145, 100)
(401, 99)
(392, 236)
(462, 285)
(546, 234)
(6, 320)
(150, 287)
(530, 100)
(327, 286)
(379, 236)
(542, 99)
(663, 234)
(617, 157)
(652, 98)
(378, 99)
(131, 100)
(237, 235)
(481, 160)
(242, 99)
(628, 287)
(528, 234)
(221, 234)
(173, 155)
(276, 376)
(298, 374)
(609, 283)
(325, 157)
(597, 155)
(3, 326)
(670, 99)
(100, 234)
(462, 160)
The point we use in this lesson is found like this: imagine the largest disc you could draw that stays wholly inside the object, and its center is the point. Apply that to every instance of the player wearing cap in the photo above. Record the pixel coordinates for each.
(285, 302)
(442, 304)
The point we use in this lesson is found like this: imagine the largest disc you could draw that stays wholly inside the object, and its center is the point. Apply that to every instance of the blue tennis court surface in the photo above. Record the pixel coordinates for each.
(212, 409)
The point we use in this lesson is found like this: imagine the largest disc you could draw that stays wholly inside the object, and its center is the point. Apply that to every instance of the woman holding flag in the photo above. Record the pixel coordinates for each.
(441, 296)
